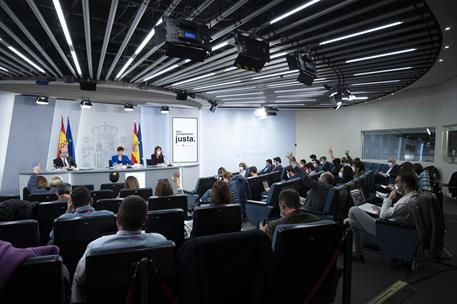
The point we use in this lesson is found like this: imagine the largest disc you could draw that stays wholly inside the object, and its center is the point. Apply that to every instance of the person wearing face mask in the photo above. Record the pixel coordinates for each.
(404, 196)
(243, 169)
(157, 157)
(64, 160)
(389, 176)
(291, 173)
(317, 191)
(345, 175)
(289, 207)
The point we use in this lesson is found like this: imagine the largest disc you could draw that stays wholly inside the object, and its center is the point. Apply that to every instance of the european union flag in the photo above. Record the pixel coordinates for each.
(140, 141)
(71, 147)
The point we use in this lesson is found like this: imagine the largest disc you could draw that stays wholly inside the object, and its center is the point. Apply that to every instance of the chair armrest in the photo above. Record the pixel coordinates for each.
(259, 203)
(395, 224)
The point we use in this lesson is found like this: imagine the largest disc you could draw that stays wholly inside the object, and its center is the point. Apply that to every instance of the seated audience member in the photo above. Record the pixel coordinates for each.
(423, 178)
(289, 207)
(12, 257)
(318, 190)
(38, 184)
(16, 209)
(277, 164)
(345, 175)
(120, 158)
(358, 167)
(253, 171)
(164, 188)
(130, 220)
(114, 177)
(268, 167)
(237, 185)
(243, 169)
(389, 176)
(55, 181)
(309, 168)
(220, 194)
(326, 166)
(291, 173)
(293, 163)
(336, 166)
(314, 160)
(404, 196)
(64, 160)
(131, 183)
(63, 192)
(302, 166)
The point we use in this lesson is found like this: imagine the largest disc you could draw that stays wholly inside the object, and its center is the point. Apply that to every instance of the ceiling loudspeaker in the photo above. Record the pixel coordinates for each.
(181, 96)
(88, 85)
(252, 53)
(183, 39)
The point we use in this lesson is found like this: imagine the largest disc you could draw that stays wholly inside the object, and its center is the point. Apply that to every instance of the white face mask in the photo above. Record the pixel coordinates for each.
(340, 174)
(391, 164)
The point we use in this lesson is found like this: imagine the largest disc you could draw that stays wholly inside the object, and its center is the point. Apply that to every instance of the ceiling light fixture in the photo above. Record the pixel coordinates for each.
(260, 113)
(219, 45)
(312, 89)
(447, 28)
(243, 98)
(301, 100)
(285, 84)
(274, 74)
(338, 105)
(276, 55)
(128, 107)
(86, 104)
(3, 69)
(193, 79)
(229, 69)
(446, 46)
(355, 98)
(441, 60)
(66, 33)
(231, 90)
(428, 132)
(374, 82)
(42, 100)
(174, 66)
(383, 71)
(381, 55)
(362, 32)
(295, 10)
(217, 85)
(26, 59)
(234, 95)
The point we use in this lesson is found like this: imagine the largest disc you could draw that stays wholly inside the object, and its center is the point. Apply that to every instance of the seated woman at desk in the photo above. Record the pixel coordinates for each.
(157, 157)
(120, 158)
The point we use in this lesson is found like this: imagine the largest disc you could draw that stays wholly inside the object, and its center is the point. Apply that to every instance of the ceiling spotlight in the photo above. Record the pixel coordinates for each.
(213, 104)
(441, 60)
(164, 110)
(447, 28)
(86, 104)
(260, 113)
(446, 46)
(42, 100)
(428, 132)
(338, 105)
(128, 107)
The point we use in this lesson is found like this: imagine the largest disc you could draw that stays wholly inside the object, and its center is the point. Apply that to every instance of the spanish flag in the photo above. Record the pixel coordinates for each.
(62, 137)
(135, 146)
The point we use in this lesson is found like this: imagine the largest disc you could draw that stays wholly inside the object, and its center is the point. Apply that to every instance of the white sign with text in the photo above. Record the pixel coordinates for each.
(185, 135)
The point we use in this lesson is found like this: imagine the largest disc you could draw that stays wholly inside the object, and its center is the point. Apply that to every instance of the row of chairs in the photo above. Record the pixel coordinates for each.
(256, 184)
(204, 270)
(73, 235)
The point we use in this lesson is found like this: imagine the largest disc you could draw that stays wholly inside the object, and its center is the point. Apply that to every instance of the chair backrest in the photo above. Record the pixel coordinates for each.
(273, 177)
(145, 193)
(5, 197)
(168, 202)
(24, 233)
(109, 272)
(37, 280)
(115, 187)
(218, 219)
(25, 194)
(169, 223)
(209, 266)
(43, 197)
(88, 186)
(111, 204)
(204, 184)
(73, 235)
(149, 162)
(302, 251)
(45, 214)
(101, 194)
(256, 186)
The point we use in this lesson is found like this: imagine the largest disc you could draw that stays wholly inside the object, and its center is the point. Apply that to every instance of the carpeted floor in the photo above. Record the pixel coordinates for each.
(371, 278)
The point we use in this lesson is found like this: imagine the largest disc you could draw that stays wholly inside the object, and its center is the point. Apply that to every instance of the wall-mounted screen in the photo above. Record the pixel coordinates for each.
(414, 145)
(185, 139)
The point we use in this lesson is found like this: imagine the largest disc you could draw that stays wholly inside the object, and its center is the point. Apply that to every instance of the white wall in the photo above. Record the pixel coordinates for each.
(424, 107)
(6, 114)
(229, 136)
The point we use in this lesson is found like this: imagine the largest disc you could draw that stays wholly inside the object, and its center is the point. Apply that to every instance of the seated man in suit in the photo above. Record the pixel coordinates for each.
(389, 176)
(318, 190)
(64, 160)
(120, 158)
(130, 220)
(268, 167)
(289, 207)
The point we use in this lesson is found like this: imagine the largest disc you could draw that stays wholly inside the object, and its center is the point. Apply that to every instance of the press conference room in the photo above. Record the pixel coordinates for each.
(222, 151)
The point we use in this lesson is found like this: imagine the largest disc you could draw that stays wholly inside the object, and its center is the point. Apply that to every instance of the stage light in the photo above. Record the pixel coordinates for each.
(42, 100)
(164, 110)
(128, 107)
(260, 113)
(86, 104)
(214, 105)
